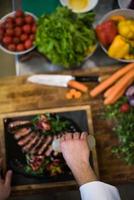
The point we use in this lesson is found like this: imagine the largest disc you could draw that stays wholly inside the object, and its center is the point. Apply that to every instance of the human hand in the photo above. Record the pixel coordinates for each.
(5, 185)
(76, 153)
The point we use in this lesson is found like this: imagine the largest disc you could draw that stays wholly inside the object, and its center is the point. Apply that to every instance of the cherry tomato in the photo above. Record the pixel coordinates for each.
(27, 28)
(28, 19)
(12, 47)
(124, 107)
(20, 47)
(19, 13)
(10, 32)
(23, 37)
(7, 40)
(28, 44)
(16, 40)
(19, 21)
(17, 31)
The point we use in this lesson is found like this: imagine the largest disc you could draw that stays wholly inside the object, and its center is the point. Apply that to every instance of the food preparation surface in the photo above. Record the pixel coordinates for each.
(18, 95)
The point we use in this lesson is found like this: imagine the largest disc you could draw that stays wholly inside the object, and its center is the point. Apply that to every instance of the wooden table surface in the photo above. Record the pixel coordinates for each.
(16, 94)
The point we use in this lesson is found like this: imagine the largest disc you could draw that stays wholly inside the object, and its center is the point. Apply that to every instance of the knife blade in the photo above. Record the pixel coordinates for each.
(60, 80)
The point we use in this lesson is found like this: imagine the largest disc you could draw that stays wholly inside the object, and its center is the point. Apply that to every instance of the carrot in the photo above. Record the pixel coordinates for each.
(69, 95)
(120, 86)
(115, 99)
(73, 94)
(108, 82)
(77, 95)
(109, 91)
(79, 86)
(73, 91)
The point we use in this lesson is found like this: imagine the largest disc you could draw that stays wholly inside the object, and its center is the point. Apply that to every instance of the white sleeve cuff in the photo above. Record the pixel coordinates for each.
(97, 190)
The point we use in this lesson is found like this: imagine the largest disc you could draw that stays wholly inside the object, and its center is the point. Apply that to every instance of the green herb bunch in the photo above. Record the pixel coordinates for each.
(124, 129)
(65, 37)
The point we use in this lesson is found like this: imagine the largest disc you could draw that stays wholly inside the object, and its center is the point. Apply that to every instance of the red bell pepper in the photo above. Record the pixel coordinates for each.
(106, 32)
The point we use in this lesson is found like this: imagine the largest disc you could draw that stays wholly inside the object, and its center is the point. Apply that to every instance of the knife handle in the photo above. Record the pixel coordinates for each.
(91, 78)
(87, 78)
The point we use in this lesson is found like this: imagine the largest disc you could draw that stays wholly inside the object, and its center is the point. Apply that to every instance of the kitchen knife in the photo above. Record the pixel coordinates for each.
(60, 80)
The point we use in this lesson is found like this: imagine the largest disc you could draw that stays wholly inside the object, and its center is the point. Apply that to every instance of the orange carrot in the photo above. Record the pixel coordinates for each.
(109, 91)
(73, 94)
(115, 99)
(69, 95)
(120, 87)
(77, 95)
(79, 86)
(73, 91)
(108, 82)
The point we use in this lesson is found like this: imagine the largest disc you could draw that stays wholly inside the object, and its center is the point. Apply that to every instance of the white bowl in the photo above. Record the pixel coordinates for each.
(128, 13)
(124, 3)
(90, 6)
(15, 52)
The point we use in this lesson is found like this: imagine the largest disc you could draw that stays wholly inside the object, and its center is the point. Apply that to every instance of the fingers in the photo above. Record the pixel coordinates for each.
(62, 138)
(8, 178)
(76, 136)
(68, 136)
(1, 160)
(83, 135)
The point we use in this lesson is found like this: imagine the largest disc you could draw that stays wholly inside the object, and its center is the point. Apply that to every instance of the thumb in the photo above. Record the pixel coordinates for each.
(8, 178)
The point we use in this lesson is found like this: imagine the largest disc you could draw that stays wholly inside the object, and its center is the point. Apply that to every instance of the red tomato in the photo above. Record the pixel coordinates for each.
(124, 107)
(1, 37)
(16, 40)
(10, 20)
(34, 28)
(29, 19)
(11, 47)
(2, 31)
(19, 21)
(28, 44)
(27, 28)
(19, 13)
(7, 40)
(20, 47)
(32, 37)
(23, 37)
(17, 31)
(10, 32)
(8, 25)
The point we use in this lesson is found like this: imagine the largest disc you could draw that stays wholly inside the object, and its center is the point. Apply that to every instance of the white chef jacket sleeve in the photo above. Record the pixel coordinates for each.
(97, 190)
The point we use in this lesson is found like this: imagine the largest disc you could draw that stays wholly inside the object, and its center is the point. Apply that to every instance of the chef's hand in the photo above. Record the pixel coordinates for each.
(76, 153)
(5, 185)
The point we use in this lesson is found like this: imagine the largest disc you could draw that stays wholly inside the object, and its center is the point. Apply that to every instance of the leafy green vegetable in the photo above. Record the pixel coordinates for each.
(124, 128)
(58, 124)
(64, 37)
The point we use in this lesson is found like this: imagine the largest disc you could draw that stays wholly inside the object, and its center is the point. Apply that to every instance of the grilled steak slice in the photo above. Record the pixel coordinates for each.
(29, 145)
(49, 150)
(18, 123)
(37, 145)
(45, 144)
(21, 133)
(26, 139)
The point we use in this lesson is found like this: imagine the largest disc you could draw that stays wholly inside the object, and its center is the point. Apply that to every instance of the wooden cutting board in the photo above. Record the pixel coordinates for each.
(18, 95)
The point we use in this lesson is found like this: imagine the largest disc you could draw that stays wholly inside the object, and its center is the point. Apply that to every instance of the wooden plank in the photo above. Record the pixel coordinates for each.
(52, 185)
(16, 95)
